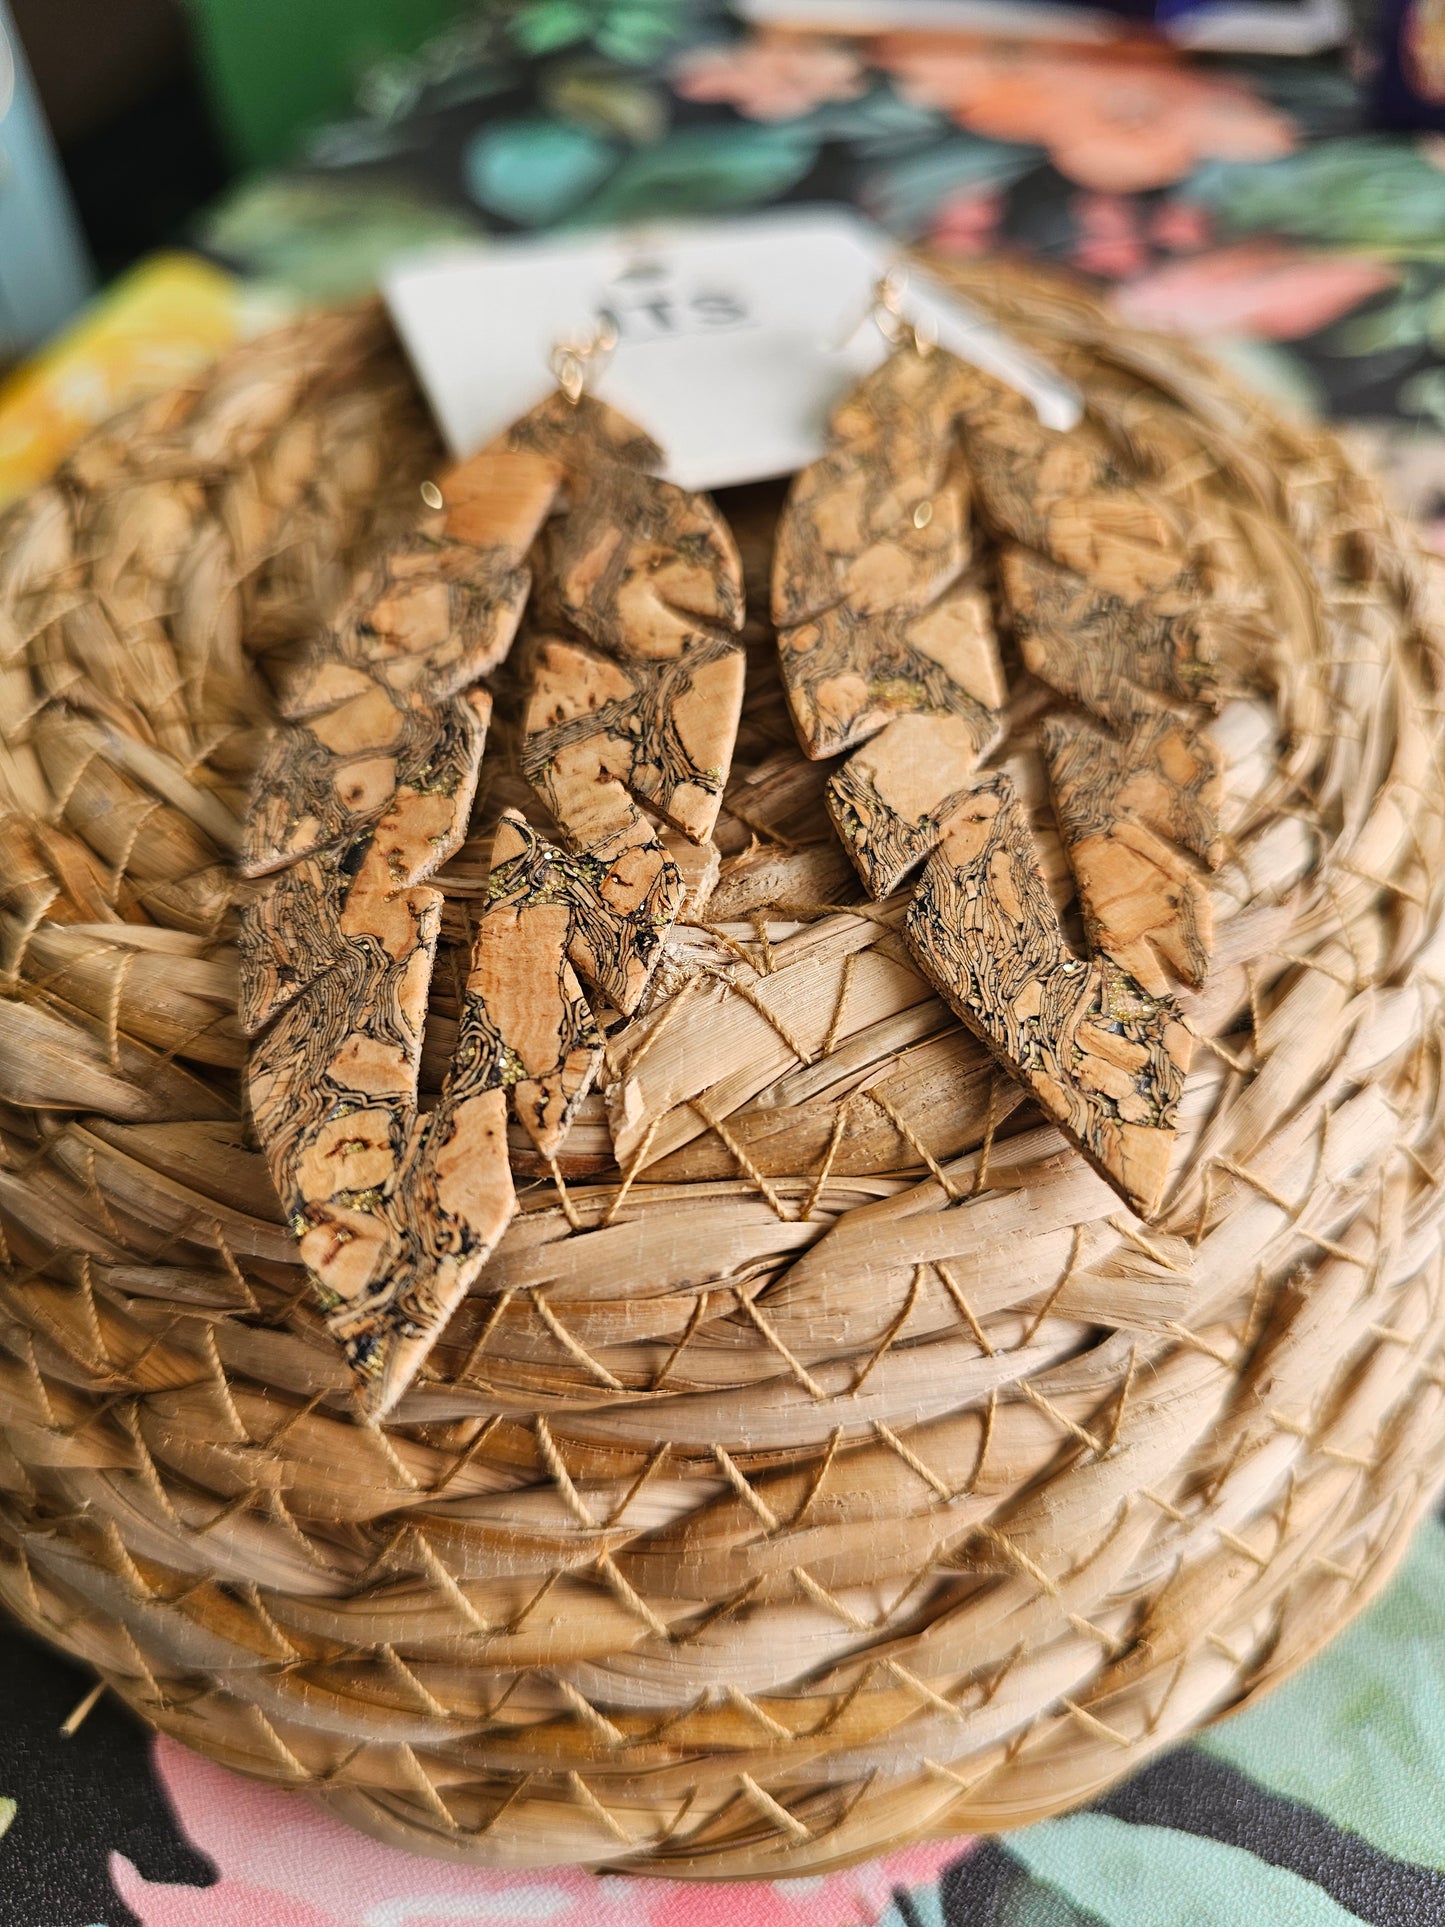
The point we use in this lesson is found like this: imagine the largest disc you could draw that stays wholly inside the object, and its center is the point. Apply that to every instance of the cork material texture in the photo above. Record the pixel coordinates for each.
(824, 1454)
(871, 553)
(371, 789)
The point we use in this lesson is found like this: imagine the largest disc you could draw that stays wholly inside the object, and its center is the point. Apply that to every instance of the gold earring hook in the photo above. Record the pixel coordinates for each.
(888, 317)
(577, 357)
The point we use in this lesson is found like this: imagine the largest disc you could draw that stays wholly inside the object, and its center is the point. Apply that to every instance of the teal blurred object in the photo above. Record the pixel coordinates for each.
(45, 273)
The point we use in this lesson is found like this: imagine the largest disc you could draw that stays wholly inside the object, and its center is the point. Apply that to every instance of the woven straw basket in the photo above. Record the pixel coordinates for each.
(853, 1466)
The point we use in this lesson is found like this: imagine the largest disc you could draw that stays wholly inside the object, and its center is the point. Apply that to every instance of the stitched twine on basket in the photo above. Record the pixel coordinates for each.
(840, 1463)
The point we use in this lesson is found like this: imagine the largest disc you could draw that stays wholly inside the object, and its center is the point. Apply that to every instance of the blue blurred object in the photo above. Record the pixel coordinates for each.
(45, 273)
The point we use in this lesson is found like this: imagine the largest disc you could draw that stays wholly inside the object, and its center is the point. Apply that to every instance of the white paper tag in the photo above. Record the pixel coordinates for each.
(736, 339)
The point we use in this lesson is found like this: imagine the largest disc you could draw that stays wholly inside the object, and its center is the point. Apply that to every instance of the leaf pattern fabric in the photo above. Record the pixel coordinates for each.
(1360, 1735)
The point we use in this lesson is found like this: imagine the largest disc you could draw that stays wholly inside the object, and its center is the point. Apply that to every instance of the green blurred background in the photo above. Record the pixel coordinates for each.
(279, 65)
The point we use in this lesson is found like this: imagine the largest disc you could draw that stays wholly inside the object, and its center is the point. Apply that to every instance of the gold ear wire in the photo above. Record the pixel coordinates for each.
(887, 309)
(887, 315)
(575, 358)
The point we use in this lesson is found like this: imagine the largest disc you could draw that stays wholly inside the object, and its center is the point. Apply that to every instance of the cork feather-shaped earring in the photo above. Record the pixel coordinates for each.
(366, 790)
(939, 487)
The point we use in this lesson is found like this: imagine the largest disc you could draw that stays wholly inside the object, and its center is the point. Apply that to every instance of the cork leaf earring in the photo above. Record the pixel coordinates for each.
(942, 509)
(634, 687)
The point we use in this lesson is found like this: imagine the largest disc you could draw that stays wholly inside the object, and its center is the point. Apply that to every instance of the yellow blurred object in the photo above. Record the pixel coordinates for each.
(168, 317)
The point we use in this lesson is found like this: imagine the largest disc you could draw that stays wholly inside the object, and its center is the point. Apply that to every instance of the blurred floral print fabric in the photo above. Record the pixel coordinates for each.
(1239, 199)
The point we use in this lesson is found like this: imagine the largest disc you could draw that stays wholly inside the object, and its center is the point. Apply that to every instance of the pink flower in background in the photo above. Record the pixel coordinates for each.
(774, 77)
(284, 1863)
(964, 225)
(1260, 288)
(1118, 121)
(1110, 240)
(1181, 227)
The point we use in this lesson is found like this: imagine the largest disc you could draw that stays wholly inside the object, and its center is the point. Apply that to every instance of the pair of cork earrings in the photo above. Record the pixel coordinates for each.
(628, 594)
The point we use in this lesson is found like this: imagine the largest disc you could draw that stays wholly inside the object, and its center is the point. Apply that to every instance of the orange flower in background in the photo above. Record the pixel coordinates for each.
(1259, 288)
(773, 77)
(1118, 121)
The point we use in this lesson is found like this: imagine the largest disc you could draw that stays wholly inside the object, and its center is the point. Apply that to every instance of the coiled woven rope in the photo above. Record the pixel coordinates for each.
(849, 1465)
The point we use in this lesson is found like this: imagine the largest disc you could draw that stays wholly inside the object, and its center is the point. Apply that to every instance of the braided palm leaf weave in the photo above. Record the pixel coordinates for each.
(846, 1464)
